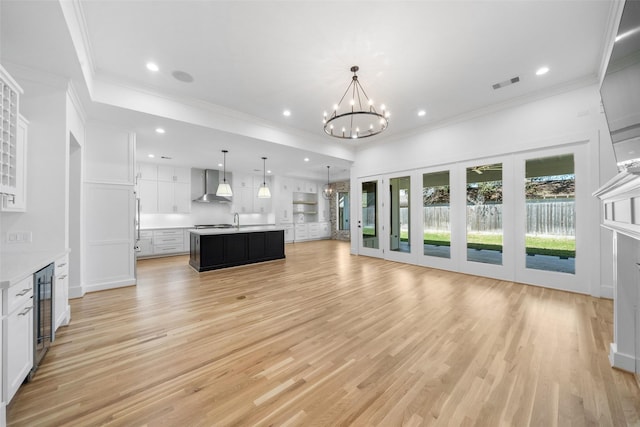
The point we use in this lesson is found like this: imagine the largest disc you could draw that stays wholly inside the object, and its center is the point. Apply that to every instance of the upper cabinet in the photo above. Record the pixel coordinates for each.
(164, 189)
(13, 139)
(245, 194)
(304, 186)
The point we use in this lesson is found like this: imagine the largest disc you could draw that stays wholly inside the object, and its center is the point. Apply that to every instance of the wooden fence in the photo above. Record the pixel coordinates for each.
(543, 217)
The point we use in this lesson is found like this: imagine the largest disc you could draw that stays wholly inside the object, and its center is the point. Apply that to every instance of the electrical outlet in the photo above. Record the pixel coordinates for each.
(19, 237)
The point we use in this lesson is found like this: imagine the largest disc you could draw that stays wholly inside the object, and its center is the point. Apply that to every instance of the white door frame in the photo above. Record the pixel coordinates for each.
(362, 249)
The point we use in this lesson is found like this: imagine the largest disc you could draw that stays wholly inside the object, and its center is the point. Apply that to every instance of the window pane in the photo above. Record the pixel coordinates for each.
(399, 236)
(550, 188)
(484, 214)
(343, 211)
(370, 215)
(436, 198)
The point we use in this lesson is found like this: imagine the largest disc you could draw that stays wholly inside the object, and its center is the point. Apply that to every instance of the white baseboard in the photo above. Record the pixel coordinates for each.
(109, 285)
(3, 415)
(623, 361)
(76, 292)
(606, 291)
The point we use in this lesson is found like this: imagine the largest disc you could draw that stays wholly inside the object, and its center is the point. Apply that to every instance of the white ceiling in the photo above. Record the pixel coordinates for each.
(261, 57)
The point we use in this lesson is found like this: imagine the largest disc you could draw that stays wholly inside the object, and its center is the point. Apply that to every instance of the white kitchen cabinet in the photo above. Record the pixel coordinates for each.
(305, 186)
(148, 195)
(174, 197)
(288, 233)
(168, 241)
(174, 174)
(145, 244)
(313, 230)
(10, 163)
(17, 202)
(160, 242)
(147, 171)
(245, 194)
(18, 336)
(301, 232)
(325, 230)
(164, 189)
(61, 297)
(282, 200)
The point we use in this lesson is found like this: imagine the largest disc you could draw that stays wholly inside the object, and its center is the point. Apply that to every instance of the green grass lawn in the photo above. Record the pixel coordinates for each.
(535, 245)
(555, 246)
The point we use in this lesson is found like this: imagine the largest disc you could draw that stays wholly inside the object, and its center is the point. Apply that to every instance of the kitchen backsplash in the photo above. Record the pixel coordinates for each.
(203, 213)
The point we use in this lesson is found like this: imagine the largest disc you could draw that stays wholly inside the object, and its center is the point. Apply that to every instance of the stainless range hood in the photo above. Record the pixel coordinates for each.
(204, 183)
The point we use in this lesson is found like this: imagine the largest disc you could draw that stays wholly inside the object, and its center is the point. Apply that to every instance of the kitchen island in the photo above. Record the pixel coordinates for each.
(215, 248)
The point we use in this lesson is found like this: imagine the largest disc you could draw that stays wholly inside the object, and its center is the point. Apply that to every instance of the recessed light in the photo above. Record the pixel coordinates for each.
(151, 66)
(268, 171)
(159, 130)
(219, 165)
(542, 70)
(422, 113)
(306, 159)
(286, 113)
(151, 156)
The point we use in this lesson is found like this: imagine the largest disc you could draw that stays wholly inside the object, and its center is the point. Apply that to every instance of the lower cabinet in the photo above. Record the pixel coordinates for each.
(18, 336)
(168, 241)
(325, 230)
(301, 232)
(214, 251)
(145, 244)
(311, 231)
(288, 232)
(61, 299)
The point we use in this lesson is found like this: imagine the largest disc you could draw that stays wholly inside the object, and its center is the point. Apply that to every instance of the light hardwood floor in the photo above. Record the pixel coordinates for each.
(327, 338)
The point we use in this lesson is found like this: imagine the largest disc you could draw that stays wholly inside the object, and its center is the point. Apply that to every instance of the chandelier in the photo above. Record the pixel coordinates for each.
(359, 119)
(327, 191)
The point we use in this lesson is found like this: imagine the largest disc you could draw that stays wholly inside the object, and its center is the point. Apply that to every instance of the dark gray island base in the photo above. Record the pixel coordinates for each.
(211, 250)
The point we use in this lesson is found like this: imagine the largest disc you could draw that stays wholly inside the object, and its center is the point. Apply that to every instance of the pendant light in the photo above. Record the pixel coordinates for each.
(263, 192)
(327, 191)
(224, 189)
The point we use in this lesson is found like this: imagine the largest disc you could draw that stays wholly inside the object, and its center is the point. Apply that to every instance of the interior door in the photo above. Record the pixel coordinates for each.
(370, 230)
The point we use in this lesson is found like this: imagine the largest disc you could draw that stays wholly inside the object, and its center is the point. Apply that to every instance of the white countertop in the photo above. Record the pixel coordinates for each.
(16, 266)
(235, 230)
(171, 227)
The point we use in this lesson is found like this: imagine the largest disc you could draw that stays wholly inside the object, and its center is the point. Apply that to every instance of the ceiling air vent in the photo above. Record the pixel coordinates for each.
(506, 83)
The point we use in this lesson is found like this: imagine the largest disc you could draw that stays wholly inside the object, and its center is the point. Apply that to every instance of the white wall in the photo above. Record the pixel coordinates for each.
(564, 118)
(45, 107)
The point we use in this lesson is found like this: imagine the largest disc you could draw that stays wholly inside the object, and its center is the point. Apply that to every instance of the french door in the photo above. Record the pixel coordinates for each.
(370, 229)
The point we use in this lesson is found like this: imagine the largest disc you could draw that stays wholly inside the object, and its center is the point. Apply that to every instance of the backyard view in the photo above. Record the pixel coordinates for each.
(550, 214)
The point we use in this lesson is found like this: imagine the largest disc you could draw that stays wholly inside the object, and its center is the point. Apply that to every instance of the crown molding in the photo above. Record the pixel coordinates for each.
(37, 76)
(76, 101)
(77, 25)
(613, 22)
(203, 113)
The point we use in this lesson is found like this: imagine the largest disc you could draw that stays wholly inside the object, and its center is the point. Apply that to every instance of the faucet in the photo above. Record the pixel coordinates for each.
(236, 219)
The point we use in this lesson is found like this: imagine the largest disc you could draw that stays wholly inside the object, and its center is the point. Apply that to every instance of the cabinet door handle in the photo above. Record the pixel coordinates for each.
(62, 277)
(25, 311)
(23, 292)
(61, 265)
